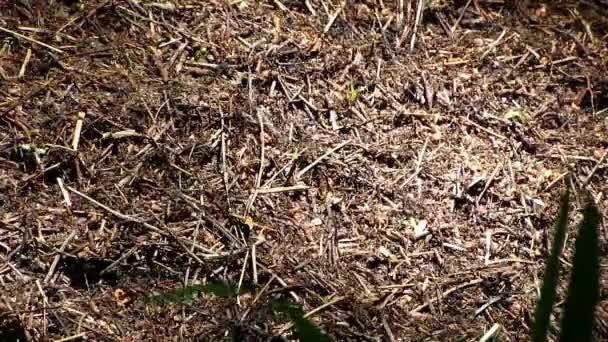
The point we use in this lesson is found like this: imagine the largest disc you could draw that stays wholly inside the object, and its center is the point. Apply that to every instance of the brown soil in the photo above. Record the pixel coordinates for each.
(397, 177)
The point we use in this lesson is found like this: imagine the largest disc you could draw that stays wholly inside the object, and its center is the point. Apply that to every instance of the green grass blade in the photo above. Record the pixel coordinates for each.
(583, 291)
(304, 329)
(189, 293)
(542, 314)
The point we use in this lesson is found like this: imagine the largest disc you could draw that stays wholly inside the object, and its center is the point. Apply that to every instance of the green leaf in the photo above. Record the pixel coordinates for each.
(304, 329)
(583, 292)
(542, 314)
(189, 293)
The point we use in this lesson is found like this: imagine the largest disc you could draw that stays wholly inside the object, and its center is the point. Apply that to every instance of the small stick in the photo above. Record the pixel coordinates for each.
(416, 23)
(238, 289)
(73, 337)
(453, 28)
(487, 305)
(387, 328)
(31, 40)
(485, 129)
(12, 267)
(64, 192)
(77, 131)
(58, 256)
(117, 261)
(155, 229)
(553, 182)
(312, 312)
(299, 187)
(400, 16)
(110, 210)
(333, 18)
(491, 333)
(280, 5)
(488, 246)
(264, 288)
(406, 26)
(494, 44)
(258, 178)
(445, 294)
(310, 8)
(418, 164)
(45, 300)
(282, 282)
(314, 163)
(254, 264)
(224, 170)
(487, 185)
(594, 170)
(26, 61)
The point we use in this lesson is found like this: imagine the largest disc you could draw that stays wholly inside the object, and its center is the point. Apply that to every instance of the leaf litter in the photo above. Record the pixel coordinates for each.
(392, 167)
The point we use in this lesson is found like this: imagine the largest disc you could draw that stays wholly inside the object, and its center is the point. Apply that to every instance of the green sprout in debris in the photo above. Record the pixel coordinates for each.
(518, 115)
(189, 293)
(295, 155)
(31, 151)
(200, 53)
(304, 329)
(352, 93)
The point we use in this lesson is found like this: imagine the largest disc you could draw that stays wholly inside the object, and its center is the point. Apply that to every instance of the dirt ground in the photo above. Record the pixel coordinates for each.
(392, 166)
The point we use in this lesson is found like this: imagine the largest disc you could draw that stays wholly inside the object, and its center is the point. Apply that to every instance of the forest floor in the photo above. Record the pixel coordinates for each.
(394, 167)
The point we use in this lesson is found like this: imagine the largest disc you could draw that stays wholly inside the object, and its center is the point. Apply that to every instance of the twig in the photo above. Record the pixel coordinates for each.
(485, 129)
(25, 98)
(58, 256)
(312, 312)
(281, 281)
(487, 185)
(314, 163)
(553, 182)
(494, 44)
(26, 61)
(387, 328)
(64, 193)
(418, 165)
(491, 333)
(155, 229)
(73, 337)
(445, 294)
(238, 288)
(117, 261)
(416, 23)
(224, 170)
(299, 187)
(258, 178)
(488, 247)
(310, 8)
(594, 170)
(77, 130)
(333, 17)
(254, 264)
(192, 203)
(453, 28)
(280, 5)
(31, 40)
(406, 26)
(487, 305)
(112, 211)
